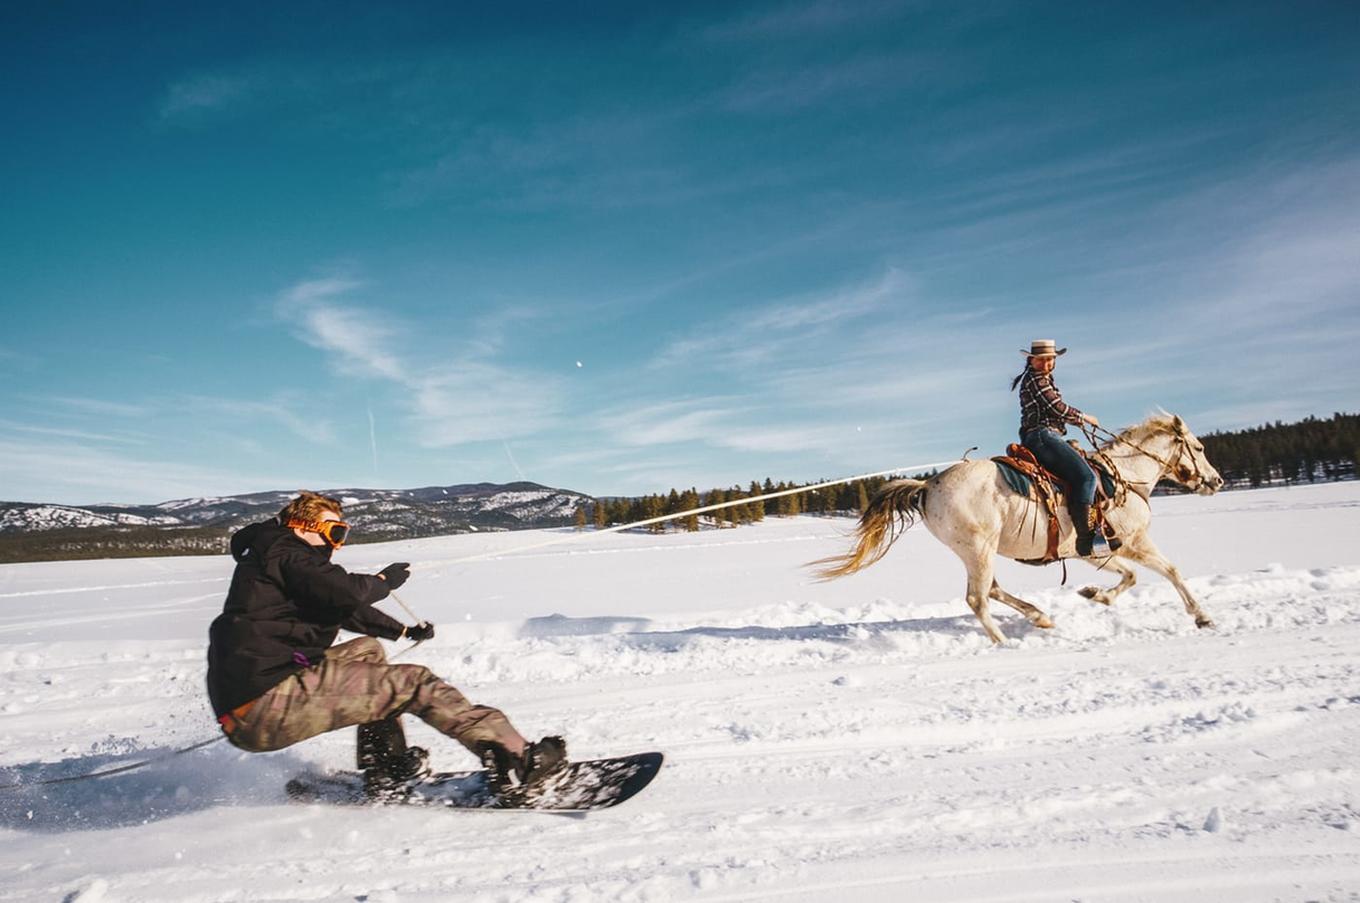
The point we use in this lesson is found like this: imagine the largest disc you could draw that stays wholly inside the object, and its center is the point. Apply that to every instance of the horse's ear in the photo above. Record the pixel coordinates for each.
(1178, 423)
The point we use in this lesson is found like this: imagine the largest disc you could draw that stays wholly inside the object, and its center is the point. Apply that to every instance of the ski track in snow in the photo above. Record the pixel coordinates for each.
(858, 738)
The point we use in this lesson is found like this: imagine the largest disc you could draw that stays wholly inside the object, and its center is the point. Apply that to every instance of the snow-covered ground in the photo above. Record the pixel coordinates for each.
(852, 740)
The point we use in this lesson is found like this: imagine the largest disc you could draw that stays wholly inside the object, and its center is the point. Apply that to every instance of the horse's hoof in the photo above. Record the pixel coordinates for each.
(1204, 621)
(1044, 622)
(1095, 594)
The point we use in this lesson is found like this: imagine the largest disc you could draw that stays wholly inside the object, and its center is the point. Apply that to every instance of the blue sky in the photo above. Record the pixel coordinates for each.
(619, 247)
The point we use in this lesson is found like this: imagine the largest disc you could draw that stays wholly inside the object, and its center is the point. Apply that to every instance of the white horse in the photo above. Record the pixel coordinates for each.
(970, 508)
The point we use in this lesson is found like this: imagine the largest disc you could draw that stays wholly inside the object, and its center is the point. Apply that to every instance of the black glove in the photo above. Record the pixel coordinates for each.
(396, 574)
(420, 632)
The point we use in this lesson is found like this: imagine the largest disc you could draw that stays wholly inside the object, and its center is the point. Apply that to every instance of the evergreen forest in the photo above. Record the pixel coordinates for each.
(1308, 451)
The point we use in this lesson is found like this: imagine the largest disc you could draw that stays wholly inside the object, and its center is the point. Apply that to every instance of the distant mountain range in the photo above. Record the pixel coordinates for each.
(38, 532)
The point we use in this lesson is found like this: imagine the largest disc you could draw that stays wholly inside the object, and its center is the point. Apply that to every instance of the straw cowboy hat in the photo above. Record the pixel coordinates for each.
(1044, 348)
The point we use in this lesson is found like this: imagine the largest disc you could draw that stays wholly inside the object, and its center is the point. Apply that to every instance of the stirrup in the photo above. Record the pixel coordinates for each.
(1103, 546)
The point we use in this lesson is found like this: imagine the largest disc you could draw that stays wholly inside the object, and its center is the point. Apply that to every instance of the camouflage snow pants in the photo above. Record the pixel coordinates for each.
(354, 684)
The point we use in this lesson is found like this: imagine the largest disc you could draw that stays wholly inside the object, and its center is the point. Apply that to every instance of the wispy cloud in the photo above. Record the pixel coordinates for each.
(10, 356)
(205, 92)
(476, 402)
(489, 334)
(742, 340)
(886, 376)
(464, 397)
(889, 365)
(320, 289)
(74, 473)
(852, 378)
(760, 427)
(676, 421)
(72, 433)
(513, 463)
(308, 86)
(355, 335)
(1247, 414)
(97, 406)
(858, 80)
(799, 19)
(820, 438)
(373, 438)
(1296, 257)
(611, 162)
(290, 412)
(1248, 270)
(1233, 303)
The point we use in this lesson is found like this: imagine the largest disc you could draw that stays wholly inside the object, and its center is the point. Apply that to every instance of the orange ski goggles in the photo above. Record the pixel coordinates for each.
(335, 532)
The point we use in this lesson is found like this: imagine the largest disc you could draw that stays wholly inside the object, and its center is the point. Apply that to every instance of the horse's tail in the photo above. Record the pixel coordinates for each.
(892, 511)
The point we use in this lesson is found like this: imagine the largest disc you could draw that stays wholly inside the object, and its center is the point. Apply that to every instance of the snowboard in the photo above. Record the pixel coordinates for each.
(578, 787)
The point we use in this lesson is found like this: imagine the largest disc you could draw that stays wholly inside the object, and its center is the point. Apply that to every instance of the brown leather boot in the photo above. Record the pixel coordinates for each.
(1102, 542)
(1081, 522)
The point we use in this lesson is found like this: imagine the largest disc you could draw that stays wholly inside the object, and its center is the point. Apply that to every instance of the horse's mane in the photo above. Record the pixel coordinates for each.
(1160, 421)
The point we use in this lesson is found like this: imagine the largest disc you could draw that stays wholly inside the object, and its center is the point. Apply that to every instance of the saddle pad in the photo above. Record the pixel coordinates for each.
(1021, 484)
(1106, 481)
(1019, 481)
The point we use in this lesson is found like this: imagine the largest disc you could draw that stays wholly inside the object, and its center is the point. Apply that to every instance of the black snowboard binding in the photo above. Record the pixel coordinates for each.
(508, 774)
(547, 756)
(390, 767)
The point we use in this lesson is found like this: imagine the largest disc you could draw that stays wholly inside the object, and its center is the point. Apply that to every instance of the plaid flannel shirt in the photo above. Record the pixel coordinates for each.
(1041, 405)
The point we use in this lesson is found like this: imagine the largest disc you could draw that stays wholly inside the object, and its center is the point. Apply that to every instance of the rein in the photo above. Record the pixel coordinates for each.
(1182, 475)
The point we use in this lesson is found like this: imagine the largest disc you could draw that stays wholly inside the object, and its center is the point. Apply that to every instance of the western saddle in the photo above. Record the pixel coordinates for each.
(1050, 490)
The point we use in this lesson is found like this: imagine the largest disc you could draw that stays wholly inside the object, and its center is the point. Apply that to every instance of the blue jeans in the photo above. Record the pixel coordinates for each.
(1054, 453)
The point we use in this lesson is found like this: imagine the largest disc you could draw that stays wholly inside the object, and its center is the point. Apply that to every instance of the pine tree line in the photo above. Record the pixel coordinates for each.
(1307, 451)
(111, 542)
(848, 498)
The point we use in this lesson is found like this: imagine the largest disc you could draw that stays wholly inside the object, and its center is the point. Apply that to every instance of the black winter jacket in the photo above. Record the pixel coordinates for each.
(286, 604)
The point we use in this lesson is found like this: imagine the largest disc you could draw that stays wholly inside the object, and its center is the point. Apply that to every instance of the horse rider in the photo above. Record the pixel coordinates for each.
(1044, 418)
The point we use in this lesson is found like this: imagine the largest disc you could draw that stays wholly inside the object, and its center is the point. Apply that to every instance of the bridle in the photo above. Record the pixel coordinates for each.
(1191, 477)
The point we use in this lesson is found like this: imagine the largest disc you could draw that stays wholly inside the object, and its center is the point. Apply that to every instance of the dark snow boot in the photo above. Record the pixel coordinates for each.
(390, 767)
(503, 769)
(395, 778)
